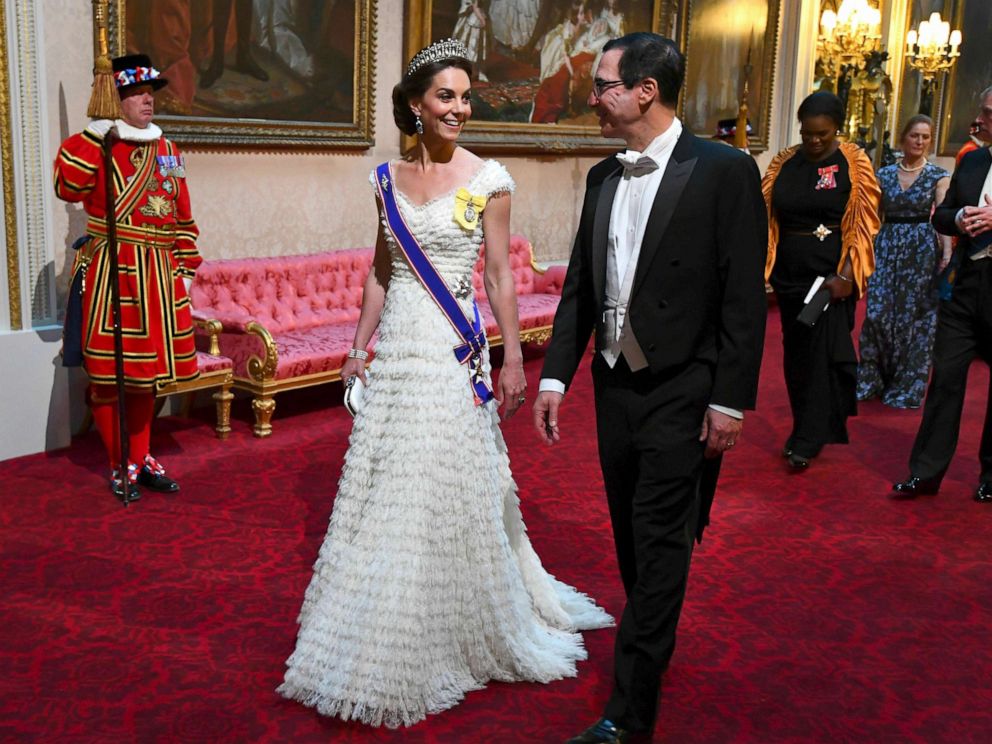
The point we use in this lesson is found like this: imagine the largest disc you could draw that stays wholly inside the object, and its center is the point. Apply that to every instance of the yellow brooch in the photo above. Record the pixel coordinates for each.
(468, 208)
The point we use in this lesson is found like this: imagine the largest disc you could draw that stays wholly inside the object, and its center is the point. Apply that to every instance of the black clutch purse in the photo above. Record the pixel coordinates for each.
(817, 301)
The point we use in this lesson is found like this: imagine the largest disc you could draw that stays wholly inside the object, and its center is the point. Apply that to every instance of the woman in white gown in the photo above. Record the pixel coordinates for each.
(426, 585)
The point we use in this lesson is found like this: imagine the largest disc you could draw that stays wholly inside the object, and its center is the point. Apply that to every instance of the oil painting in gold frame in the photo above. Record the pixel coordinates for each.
(264, 73)
(535, 59)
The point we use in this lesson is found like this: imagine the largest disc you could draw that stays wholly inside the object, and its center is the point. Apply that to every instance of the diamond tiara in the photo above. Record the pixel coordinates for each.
(443, 49)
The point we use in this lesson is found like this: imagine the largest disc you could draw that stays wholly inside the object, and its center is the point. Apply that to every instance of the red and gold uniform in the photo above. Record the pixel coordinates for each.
(156, 256)
(156, 236)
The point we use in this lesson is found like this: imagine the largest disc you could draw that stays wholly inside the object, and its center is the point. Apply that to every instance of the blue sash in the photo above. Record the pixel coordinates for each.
(472, 333)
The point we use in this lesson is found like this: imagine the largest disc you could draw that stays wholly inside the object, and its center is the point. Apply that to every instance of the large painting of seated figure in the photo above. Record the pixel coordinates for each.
(534, 63)
(727, 43)
(257, 72)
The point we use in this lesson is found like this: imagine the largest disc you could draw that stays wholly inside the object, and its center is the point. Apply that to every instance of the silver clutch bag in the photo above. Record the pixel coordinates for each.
(354, 394)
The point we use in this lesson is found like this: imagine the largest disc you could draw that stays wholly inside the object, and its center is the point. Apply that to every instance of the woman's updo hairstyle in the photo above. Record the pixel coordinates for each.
(416, 81)
(822, 103)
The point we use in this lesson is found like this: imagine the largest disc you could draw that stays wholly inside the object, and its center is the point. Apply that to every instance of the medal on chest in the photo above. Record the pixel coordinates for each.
(171, 165)
(827, 178)
(468, 208)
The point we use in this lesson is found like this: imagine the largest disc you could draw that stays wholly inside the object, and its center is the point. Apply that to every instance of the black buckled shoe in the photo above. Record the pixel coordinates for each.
(605, 731)
(798, 462)
(913, 487)
(984, 493)
(152, 475)
(117, 487)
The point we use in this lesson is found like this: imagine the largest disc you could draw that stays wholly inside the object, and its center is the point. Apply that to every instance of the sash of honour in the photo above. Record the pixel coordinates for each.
(472, 333)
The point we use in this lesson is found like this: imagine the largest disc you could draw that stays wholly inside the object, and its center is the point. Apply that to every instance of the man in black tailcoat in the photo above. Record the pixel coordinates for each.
(667, 268)
(964, 325)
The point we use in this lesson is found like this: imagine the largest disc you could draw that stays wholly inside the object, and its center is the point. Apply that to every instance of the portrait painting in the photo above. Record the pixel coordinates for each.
(257, 72)
(730, 43)
(534, 62)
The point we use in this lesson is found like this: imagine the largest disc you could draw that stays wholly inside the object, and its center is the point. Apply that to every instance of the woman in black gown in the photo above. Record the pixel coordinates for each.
(822, 200)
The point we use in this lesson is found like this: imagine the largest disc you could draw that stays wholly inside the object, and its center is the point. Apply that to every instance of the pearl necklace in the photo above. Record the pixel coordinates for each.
(913, 170)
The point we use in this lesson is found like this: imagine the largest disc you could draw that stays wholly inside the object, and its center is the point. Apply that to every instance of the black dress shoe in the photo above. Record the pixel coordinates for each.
(152, 475)
(984, 493)
(118, 491)
(152, 480)
(798, 462)
(603, 731)
(914, 486)
(117, 487)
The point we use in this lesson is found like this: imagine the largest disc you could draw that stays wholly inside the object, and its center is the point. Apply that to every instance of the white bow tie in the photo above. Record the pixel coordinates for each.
(633, 162)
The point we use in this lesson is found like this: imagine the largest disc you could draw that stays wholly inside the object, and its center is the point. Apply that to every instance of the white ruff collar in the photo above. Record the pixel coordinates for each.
(132, 134)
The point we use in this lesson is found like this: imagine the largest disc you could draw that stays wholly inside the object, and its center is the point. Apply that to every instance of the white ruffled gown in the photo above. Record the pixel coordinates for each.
(426, 585)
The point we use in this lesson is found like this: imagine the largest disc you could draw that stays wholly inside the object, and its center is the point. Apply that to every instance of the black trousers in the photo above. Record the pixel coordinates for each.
(648, 428)
(964, 331)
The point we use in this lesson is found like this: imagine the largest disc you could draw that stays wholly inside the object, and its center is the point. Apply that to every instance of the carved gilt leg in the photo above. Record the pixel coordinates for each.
(223, 398)
(264, 406)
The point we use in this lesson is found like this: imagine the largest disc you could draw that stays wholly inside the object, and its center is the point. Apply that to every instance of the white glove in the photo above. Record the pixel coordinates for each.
(100, 127)
(187, 282)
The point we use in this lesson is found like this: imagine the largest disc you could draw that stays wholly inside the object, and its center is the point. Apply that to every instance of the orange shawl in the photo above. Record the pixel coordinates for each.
(859, 224)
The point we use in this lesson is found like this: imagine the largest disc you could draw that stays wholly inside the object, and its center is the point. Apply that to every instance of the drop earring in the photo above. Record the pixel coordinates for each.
(419, 125)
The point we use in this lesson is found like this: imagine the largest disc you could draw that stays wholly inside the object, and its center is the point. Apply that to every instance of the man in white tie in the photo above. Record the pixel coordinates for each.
(964, 325)
(667, 268)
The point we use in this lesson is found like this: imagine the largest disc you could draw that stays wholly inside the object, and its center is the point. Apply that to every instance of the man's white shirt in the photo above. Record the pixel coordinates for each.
(632, 204)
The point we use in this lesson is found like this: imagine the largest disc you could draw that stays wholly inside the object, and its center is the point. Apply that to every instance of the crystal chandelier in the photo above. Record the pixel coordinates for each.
(848, 35)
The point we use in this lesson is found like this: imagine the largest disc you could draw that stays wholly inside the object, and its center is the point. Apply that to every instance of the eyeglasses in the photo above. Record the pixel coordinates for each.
(599, 86)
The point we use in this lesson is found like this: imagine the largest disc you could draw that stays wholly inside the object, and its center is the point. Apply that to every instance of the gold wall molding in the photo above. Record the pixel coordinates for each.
(9, 195)
(31, 167)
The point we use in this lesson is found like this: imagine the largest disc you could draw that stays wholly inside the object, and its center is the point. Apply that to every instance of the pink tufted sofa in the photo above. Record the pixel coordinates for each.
(288, 321)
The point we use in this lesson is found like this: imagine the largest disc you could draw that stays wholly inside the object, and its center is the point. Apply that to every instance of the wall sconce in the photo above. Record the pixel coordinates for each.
(932, 49)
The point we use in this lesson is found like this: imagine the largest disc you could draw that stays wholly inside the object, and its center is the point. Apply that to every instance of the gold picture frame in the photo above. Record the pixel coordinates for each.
(313, 114)
(429, 20)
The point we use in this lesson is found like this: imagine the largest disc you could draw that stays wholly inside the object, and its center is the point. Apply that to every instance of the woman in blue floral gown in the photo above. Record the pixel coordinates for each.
(897, 336)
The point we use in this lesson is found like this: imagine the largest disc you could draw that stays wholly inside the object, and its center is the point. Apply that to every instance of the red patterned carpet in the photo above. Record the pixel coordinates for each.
(818, 609)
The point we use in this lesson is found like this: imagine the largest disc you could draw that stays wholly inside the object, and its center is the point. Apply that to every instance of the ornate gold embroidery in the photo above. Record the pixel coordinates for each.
(157, 206)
